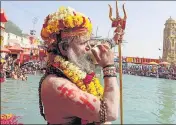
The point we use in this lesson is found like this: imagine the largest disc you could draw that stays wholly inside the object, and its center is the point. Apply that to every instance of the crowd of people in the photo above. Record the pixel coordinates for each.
(157, 71)
(11, 69)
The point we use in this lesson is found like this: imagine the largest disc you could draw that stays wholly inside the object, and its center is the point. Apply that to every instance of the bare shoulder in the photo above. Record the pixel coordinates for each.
(53, 81)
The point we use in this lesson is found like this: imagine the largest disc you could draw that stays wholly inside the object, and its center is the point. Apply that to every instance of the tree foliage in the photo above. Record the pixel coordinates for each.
(10, 27)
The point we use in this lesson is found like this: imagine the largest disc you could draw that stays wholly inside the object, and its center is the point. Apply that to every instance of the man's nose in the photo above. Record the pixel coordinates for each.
(87, 48)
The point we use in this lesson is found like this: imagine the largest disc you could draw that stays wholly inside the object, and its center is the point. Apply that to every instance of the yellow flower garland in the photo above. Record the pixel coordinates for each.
(77, 76)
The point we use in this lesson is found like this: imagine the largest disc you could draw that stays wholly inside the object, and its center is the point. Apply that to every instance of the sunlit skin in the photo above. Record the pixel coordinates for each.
(61, 98)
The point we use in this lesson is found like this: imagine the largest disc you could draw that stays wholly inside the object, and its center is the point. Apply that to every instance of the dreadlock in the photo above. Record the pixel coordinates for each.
(55, 50)
(40, 101)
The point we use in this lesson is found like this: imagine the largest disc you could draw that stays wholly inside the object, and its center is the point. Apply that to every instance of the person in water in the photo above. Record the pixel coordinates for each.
(2, 71)
(69, 91)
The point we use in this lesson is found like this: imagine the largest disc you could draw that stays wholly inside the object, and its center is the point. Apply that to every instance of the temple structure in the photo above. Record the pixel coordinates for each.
(169, 41)
(3, 20)
(2, 26)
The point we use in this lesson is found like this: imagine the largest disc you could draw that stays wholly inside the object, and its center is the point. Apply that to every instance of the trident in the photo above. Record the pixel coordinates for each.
(119, 23)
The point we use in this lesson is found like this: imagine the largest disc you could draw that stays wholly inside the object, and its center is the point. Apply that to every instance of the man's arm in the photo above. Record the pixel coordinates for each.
(84, 105)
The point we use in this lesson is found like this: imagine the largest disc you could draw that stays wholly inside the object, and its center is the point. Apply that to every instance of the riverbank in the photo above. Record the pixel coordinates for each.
(146, 100)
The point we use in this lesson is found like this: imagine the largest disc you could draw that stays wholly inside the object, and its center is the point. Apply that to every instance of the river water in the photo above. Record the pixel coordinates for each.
(146, 100)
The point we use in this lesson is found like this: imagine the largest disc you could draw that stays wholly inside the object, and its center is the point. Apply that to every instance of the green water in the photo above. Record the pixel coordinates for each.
(146, 100)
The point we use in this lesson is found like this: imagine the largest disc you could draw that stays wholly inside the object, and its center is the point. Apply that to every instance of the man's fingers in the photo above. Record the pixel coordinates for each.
(105, 46)
(95, 55)
(102, 48)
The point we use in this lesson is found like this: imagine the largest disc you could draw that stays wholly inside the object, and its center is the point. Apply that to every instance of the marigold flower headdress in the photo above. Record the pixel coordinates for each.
(66, 21)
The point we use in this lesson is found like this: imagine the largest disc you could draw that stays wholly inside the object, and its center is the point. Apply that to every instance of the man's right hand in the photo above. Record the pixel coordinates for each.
(103, 55)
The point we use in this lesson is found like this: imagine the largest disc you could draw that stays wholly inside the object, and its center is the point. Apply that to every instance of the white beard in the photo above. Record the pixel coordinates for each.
(82, 61)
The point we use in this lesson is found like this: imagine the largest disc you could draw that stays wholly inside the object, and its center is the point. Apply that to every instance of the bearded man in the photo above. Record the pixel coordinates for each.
(69, 92)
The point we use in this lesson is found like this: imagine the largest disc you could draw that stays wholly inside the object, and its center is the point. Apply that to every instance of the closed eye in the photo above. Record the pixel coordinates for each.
(83, 43)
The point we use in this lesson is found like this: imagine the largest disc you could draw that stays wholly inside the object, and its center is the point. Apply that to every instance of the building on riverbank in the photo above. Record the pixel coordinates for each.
(137, 60)
(23, 48)
(169, 41)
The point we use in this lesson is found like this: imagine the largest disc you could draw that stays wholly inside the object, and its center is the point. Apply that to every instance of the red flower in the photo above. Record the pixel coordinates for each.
(84, 21)
(11, 121)
(74, 13)
(61, 24)
(56, 65)
(44, 25)
(88, 78)
(46, 22)
(47, 19)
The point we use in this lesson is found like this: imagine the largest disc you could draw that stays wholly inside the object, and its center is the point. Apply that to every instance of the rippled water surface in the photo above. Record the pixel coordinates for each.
(146, 100)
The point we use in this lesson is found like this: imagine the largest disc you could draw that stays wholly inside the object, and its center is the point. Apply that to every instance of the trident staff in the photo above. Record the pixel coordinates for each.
(119, 23)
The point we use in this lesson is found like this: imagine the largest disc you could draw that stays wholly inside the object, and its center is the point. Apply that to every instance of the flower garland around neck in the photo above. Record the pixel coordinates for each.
(86, 82)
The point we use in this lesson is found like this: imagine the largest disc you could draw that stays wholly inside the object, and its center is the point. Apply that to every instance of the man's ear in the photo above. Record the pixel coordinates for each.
(63, 47)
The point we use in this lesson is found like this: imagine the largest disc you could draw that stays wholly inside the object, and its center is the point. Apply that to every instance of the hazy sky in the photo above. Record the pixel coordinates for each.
(145, 23)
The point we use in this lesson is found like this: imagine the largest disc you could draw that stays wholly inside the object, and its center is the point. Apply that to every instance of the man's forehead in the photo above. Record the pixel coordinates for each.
(80, 39)
(83, 39)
